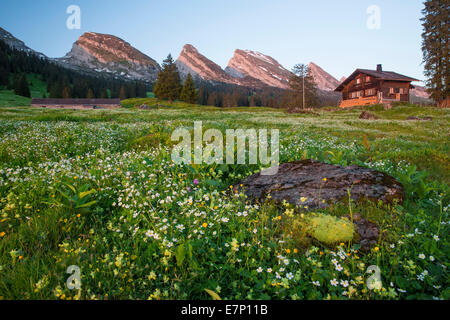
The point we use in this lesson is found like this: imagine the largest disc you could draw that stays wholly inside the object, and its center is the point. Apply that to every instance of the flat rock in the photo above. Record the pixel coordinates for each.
(413, 118)
(302, 183)
(365, 115)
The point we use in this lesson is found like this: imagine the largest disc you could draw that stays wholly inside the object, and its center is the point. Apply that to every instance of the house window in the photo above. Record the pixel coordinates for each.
(358, 81)
(391, 90)
(402, 90)
(370, 92)
(368, 79)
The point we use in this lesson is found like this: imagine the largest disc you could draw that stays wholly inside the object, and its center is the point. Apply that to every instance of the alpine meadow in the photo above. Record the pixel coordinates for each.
(95, 206)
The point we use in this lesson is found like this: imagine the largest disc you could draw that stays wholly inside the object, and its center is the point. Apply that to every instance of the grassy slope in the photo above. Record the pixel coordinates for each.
(37, 89)
(423, 143)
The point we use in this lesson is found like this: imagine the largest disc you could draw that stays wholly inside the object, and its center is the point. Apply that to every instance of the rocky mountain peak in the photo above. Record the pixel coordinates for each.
(108, 53)
(323, 80)
(259, 66)
(193, 62)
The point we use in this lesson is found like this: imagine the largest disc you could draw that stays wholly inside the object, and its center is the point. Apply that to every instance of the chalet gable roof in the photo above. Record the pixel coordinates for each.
(381, 75)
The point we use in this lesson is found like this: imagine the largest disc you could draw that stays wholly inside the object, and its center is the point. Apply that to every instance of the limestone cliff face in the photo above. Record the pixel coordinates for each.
(258, 66)
(323, 80)
(107, 53)
(193, 62)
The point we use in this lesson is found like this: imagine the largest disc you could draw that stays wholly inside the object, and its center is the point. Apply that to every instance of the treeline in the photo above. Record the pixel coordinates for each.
(61, 82)
(168, 86)
(228, 96)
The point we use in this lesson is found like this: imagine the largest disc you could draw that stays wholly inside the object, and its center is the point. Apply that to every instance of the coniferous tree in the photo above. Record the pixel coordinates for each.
(167, 84)
(103, 94)
(131, 90)
(21, 86)
(122, 93)
(90, 94)
(4, 76)
(435, 47)
(301, 80)
(189, 93)
(66, 93)
(56, 90)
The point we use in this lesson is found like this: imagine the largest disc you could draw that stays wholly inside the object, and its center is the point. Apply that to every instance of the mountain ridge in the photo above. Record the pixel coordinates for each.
(192, 61)
(15, 43)
(110, 54)
(97, 53)
(259, 66)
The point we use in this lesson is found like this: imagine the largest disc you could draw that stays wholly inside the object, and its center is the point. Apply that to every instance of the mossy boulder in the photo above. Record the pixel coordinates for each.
(329, 229)
(324, 228)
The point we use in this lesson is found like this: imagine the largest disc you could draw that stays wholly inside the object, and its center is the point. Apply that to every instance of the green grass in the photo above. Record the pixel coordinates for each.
(37, 89)
(9, 99)
(37, 86)
(98, 189)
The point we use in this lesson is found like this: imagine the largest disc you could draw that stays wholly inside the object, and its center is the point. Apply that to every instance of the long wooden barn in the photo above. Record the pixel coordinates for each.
(76, 103)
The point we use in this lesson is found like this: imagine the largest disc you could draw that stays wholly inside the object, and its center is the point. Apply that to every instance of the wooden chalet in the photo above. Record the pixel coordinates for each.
(367, 87)
(76, 103)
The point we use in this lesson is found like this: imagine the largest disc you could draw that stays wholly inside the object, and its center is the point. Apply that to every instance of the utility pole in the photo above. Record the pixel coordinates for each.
(303, 106)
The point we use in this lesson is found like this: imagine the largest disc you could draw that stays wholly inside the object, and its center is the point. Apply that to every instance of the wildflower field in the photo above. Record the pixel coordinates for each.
(98, 189)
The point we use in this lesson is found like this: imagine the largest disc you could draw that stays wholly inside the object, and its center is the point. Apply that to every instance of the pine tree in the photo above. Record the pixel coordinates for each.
(167, 84)
(189, 93)
(122, 93)
(66, 93)
(103, 94)
(56, 90)
(21, 86)
(435, 47)
(90, 94)
(4, 76)
(303, 91)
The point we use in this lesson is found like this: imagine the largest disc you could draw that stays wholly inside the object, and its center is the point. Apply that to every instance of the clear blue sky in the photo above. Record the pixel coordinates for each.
(331, 33)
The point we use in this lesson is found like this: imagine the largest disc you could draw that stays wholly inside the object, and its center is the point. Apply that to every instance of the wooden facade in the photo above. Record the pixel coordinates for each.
(76, 103)
(367, 87)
